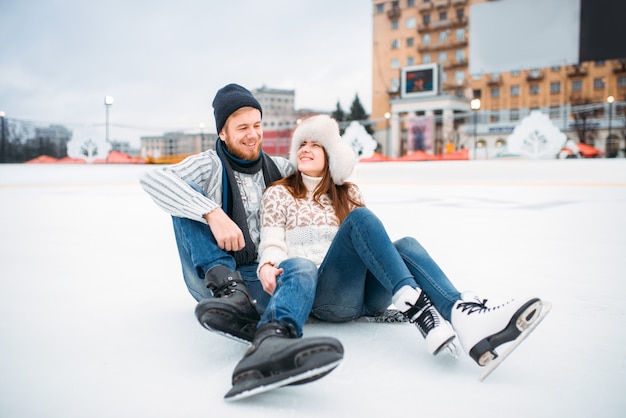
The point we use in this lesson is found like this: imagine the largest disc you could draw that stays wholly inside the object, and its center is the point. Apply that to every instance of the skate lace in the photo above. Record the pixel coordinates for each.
(225, 289)
(473, 306)
(421, 316)
(413, 311)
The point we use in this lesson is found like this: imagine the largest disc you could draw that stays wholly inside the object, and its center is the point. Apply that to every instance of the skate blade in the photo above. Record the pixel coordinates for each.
(529, 316)
(237, 393)
(227, 335)
(532, 323)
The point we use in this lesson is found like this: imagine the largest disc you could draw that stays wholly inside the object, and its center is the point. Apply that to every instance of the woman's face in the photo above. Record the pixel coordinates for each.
(311, 159)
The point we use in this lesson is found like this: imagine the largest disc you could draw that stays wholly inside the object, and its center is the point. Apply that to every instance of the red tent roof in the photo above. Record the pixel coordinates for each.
(376, 157)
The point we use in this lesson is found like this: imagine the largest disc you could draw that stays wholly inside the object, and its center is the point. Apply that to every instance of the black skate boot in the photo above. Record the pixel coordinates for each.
(230, 312)
(278, 358)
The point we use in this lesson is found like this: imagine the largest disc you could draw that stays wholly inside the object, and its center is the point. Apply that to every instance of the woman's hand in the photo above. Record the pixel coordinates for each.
(268, 274)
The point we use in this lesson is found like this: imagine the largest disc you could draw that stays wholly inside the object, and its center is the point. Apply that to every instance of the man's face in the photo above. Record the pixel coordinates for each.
(243, 133)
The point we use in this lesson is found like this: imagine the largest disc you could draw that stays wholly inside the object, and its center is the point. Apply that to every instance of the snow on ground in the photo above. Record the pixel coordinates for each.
(95, 320)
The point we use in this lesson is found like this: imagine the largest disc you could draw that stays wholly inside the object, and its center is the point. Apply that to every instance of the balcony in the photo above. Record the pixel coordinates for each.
(394, 13)
(441, 4)
(424, 7)
(493, 80)
(456, 3)
(535, 75)
(455, 64)
(619, 67)
(442, 24)
(577, 71)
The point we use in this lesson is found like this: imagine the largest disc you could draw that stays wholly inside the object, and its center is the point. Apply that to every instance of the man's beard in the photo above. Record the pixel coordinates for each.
(245, 155)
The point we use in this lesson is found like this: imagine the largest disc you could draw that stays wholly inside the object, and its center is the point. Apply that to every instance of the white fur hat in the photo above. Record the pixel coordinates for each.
(324, 130)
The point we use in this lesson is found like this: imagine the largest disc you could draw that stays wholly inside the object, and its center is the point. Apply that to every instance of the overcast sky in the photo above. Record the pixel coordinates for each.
(163, 61)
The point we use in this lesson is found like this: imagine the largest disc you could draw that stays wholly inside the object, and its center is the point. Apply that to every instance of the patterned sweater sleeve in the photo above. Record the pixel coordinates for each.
(273, 246)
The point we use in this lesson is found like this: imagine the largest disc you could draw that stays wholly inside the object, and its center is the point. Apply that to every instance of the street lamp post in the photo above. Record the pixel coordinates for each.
(609, 140)
(388, 145)
(108, 101)
(475, 106)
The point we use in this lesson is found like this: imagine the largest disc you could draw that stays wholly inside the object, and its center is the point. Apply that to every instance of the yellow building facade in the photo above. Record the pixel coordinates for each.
(585, 101)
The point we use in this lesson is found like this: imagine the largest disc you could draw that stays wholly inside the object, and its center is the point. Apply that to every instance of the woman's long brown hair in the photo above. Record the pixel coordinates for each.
(342, 202)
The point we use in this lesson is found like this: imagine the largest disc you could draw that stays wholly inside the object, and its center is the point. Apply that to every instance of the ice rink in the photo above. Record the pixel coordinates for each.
(95, 320)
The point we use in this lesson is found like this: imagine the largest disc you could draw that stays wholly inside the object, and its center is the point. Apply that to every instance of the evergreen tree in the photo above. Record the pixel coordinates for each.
(357, 112)
(339, 115)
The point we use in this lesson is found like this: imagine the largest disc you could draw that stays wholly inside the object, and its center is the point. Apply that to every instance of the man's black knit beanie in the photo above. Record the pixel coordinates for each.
(229, 99)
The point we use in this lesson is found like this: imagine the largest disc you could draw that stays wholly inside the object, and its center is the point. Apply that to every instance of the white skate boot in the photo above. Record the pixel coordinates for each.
(483, 325)
(419, 310)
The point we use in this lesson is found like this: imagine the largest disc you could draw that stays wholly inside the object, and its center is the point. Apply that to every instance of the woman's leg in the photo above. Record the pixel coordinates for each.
(361, 252)
(428, 275)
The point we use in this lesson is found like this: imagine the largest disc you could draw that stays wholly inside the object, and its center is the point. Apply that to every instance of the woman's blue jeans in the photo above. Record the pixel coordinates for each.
(361, 271)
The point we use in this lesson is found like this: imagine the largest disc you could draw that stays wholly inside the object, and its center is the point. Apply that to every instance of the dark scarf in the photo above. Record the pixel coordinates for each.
(231, 197)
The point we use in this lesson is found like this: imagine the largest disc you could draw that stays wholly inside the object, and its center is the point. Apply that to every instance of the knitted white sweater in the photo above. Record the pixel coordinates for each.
(297, 227)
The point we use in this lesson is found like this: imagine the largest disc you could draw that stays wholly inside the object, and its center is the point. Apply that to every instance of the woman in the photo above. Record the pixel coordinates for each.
(316, 228)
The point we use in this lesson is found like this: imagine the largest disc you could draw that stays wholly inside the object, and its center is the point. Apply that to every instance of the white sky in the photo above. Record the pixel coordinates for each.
(163, 61)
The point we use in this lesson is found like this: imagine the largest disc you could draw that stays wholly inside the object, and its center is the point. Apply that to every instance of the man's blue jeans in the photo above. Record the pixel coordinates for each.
(358, 276)
(199, 252)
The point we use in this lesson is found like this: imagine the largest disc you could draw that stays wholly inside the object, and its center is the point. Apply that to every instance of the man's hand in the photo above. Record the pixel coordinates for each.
(267, 275)
(226, 232)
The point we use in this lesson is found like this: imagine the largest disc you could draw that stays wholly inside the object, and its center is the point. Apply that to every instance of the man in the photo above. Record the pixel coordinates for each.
(214, 199)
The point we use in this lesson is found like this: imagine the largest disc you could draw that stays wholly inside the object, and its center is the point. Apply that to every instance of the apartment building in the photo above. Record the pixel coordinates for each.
(413, 38)
(279, 118)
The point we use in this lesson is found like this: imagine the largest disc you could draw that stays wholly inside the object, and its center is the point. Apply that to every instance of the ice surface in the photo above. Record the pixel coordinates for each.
(95, 320)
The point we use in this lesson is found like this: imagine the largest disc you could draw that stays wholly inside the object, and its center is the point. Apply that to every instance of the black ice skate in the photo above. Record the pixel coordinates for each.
(278, 358)
(230, 311)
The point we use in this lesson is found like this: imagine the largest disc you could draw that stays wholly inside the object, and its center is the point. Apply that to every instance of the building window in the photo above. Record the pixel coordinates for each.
(555, 68)
(443, 56)
(459, 76)
(426, 19)
(460, 35)
(514, 91)
(410, 3)
(410, 23)
(410, 61)
(621, 81)
(410, 42)
(555, 112)
(555, 87)
(514, 115)
(394, 25)
(515, 72)
(459, 55)
(535, 89)
(598, 83)
(395, 44)
(460, 13)
(426, 39)
(443, 16)
(443, 36)
(426, 59)
(600, 63)
(495, 92)
(395, 64)
(380, 8)
(577, 85)
(395, 84)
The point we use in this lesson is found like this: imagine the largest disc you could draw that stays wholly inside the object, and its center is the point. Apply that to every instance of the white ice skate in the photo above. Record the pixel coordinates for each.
(417, 307)
(483, 324)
